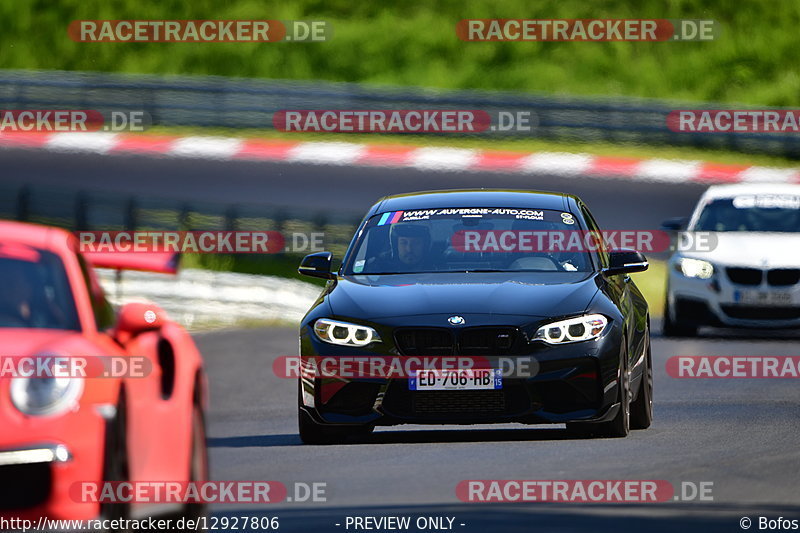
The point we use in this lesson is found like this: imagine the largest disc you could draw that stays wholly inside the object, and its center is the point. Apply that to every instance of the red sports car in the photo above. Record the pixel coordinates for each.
(60, 430)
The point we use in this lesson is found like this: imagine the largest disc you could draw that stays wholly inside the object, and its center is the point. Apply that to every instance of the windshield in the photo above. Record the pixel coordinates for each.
(36, 292)
(467, 240)
(767, 213)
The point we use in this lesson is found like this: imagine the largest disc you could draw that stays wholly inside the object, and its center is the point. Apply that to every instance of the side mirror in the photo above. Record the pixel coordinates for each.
(625, 261)
(136, 318)
(317, 265)
(674, 224)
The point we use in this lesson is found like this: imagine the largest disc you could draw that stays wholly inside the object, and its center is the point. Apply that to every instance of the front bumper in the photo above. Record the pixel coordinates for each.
(41, 458)
(718, 302)
(572, 382)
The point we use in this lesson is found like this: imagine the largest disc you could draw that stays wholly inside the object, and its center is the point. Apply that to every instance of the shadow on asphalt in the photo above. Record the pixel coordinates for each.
(254, 441)
(728, 334)
(424, 436)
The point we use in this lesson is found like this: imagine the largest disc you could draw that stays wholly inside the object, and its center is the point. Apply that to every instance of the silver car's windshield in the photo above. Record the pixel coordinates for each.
(761, 213)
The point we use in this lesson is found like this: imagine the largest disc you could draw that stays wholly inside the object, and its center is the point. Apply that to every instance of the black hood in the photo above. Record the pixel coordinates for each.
(501, 293)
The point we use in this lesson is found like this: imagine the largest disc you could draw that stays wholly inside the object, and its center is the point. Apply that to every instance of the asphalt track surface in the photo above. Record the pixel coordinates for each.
(616, 203)
(742, 435)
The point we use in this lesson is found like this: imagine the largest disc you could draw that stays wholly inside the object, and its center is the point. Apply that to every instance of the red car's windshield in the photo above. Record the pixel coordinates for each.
(36, 291)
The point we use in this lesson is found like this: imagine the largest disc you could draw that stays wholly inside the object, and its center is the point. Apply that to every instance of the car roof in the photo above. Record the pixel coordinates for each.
(35, 235)
(473, 198)
(729, 191)
(62, 243)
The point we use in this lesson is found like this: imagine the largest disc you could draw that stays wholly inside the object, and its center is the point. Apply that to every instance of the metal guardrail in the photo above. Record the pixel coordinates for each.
(250, 103)
(77, 210)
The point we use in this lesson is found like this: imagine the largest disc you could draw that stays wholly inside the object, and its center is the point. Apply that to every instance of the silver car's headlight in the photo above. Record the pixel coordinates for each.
(46, 396)
(582, 328)
(695, 268)
(344, 333)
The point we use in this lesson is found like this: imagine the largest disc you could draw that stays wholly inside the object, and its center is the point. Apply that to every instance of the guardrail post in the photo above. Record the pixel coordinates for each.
(280, 218)
(130, 214)
(231, 217)
(24, 203)
(184, 218)
(320, 221)
(81, 216)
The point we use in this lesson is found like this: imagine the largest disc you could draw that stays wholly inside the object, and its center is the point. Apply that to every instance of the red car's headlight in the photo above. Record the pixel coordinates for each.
(46, 396)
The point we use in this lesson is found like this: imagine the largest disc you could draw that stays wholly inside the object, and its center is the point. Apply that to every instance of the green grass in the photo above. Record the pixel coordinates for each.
(281, 265)
(413, 43)
(653, 284)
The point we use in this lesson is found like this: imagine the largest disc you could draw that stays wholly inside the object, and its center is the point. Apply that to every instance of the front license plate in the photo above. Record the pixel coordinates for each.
(456, 379)
(765, 298)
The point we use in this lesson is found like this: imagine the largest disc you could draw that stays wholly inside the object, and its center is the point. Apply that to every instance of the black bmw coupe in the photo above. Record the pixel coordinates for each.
(490, 306)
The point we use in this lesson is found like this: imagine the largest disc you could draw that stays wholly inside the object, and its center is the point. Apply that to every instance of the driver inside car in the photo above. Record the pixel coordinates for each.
(410, 247)
(16, 301)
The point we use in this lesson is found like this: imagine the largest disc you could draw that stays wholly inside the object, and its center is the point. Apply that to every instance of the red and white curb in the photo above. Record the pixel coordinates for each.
(399, 156)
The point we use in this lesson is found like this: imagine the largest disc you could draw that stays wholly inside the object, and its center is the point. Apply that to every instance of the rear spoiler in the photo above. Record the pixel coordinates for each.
(155, 261)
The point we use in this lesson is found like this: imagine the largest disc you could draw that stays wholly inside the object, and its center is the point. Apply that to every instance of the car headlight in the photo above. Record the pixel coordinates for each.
(45, 396)
(344, 333)
(578, 329)
(695, 268)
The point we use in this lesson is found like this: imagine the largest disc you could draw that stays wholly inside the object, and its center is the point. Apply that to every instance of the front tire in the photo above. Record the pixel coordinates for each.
(198, 462)
(619, 426)
(313, 433)
(642, 407)
(675, 328)
(115, 462)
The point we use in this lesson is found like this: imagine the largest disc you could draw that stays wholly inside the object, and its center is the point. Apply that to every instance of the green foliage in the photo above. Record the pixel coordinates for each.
(754, 60)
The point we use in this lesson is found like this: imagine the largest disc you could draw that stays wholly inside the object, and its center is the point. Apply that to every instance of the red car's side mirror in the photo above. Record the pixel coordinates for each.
(136, 318)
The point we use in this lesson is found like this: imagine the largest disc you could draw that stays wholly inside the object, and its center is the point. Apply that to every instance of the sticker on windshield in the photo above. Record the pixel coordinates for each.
(767, 201)
(471, 212)
(567, 218)
(390, 218)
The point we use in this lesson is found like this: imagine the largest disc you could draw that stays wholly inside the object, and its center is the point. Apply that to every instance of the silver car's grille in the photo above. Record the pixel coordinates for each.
(778, 277)
(745, 276)
(783, 276)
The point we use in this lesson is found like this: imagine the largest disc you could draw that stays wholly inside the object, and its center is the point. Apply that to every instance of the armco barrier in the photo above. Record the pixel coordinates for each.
(251, 103)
